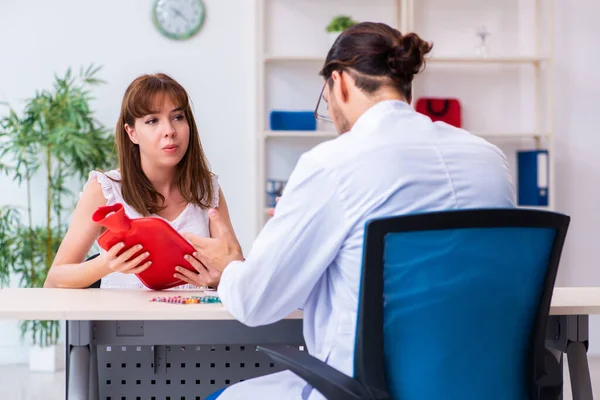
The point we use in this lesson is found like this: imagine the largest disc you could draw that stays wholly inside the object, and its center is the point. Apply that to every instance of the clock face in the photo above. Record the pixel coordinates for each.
(178, 19)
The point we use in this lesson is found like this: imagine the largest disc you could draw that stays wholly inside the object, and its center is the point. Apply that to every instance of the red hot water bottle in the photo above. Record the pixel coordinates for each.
(165, 245)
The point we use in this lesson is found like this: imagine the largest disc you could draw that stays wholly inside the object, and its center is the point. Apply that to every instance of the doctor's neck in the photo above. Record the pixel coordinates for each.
(357, 102)
(384, 93)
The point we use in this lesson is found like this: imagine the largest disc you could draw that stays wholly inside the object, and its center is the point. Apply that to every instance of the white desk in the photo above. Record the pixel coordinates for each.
(105, 305)
(123, 304)
(121, 344)
(567, 332)
(128, 318)
(575, 301)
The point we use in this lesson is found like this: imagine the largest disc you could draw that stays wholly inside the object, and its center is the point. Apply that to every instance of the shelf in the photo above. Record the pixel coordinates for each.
(485, 60)
(272, 59)
(432, 60)
(300, 134)
(333, 135)
(538, 208)
(279, 62)
(511, 135)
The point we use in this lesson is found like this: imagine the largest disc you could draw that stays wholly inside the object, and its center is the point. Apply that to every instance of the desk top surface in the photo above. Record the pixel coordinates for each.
(106, 304)
(136, 304)
(575, 301)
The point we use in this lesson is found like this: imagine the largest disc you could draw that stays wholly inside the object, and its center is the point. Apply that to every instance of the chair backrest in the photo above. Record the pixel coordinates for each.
(454, 304)
(95, 285)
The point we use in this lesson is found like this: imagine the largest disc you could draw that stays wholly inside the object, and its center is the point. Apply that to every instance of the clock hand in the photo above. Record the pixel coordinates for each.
(179, 14)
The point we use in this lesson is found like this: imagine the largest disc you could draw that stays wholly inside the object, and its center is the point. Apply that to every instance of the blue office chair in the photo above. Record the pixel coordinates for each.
(452, 305)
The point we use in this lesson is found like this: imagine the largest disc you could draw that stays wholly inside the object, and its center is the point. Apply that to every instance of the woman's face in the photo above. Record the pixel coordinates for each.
(163, 136)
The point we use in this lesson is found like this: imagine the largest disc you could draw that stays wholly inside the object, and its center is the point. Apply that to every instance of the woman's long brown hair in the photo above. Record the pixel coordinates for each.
(193, 177)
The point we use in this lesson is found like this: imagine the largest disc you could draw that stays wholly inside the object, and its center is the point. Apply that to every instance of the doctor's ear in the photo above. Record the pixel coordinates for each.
(340, 85)
(131, 133)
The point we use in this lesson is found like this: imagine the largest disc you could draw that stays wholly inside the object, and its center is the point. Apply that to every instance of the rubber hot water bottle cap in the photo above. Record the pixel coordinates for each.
(166, 246)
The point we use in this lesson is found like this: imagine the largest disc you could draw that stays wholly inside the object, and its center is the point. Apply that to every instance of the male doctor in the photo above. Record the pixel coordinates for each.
(388, 160)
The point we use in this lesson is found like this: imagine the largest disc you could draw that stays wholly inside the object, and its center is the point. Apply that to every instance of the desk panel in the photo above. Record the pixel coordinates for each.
(169, 359)
(195, 332)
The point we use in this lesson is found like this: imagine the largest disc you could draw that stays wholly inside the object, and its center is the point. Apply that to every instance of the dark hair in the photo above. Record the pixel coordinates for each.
(375, 53)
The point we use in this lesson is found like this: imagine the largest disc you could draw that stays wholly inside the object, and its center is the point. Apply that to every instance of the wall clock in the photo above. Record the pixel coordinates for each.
(178, 19)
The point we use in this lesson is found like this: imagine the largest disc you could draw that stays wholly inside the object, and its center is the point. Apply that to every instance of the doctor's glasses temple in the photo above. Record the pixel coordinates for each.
(318, 116)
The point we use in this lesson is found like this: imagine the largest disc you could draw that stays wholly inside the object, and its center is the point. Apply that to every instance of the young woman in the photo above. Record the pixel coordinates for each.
(162, 173)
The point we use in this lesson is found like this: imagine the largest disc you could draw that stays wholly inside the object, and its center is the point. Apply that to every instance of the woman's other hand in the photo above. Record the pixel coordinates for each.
(123, 262)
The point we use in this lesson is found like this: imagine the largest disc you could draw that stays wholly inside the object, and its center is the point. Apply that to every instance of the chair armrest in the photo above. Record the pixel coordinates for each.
(330, 382)
(98, 283)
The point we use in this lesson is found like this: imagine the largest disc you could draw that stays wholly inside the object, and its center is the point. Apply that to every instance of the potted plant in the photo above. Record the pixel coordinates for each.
(337, 25)
(58, 137)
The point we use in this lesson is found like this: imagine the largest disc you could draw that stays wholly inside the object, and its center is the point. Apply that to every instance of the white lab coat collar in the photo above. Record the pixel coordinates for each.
(375, 115)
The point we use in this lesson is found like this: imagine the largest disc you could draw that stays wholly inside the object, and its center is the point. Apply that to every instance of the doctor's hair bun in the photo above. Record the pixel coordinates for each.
(406, 58)
(377, 55)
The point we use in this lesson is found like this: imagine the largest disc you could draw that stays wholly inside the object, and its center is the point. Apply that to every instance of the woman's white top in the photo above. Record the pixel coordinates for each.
(192, 219)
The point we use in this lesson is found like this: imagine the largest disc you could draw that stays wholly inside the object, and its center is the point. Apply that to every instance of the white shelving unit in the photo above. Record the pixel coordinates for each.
(531, 68)
(431, 60)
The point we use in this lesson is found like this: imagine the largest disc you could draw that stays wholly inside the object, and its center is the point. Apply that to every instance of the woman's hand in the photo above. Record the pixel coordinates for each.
(201, 277)
(123, 262)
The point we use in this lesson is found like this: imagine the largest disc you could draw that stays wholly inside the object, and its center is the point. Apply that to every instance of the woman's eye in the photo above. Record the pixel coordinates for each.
(179, 117)
(151, 121)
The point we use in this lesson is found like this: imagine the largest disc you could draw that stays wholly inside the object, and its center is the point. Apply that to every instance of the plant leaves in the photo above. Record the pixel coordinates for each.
(57, 131)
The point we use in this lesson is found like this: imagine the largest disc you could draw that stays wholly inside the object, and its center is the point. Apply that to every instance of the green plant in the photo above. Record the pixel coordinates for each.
(340, 23)
(58, 137)
(9, 224)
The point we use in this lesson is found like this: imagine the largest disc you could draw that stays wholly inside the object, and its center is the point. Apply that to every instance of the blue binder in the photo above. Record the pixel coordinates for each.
(292, 121)
(533, 175)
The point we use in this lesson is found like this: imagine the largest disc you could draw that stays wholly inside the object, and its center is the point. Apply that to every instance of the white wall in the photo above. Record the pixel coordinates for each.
(578, 144)
(217, 68)
(39, 38)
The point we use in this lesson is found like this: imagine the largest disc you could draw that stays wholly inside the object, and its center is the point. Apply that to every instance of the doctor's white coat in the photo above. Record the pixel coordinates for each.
(393, 161)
